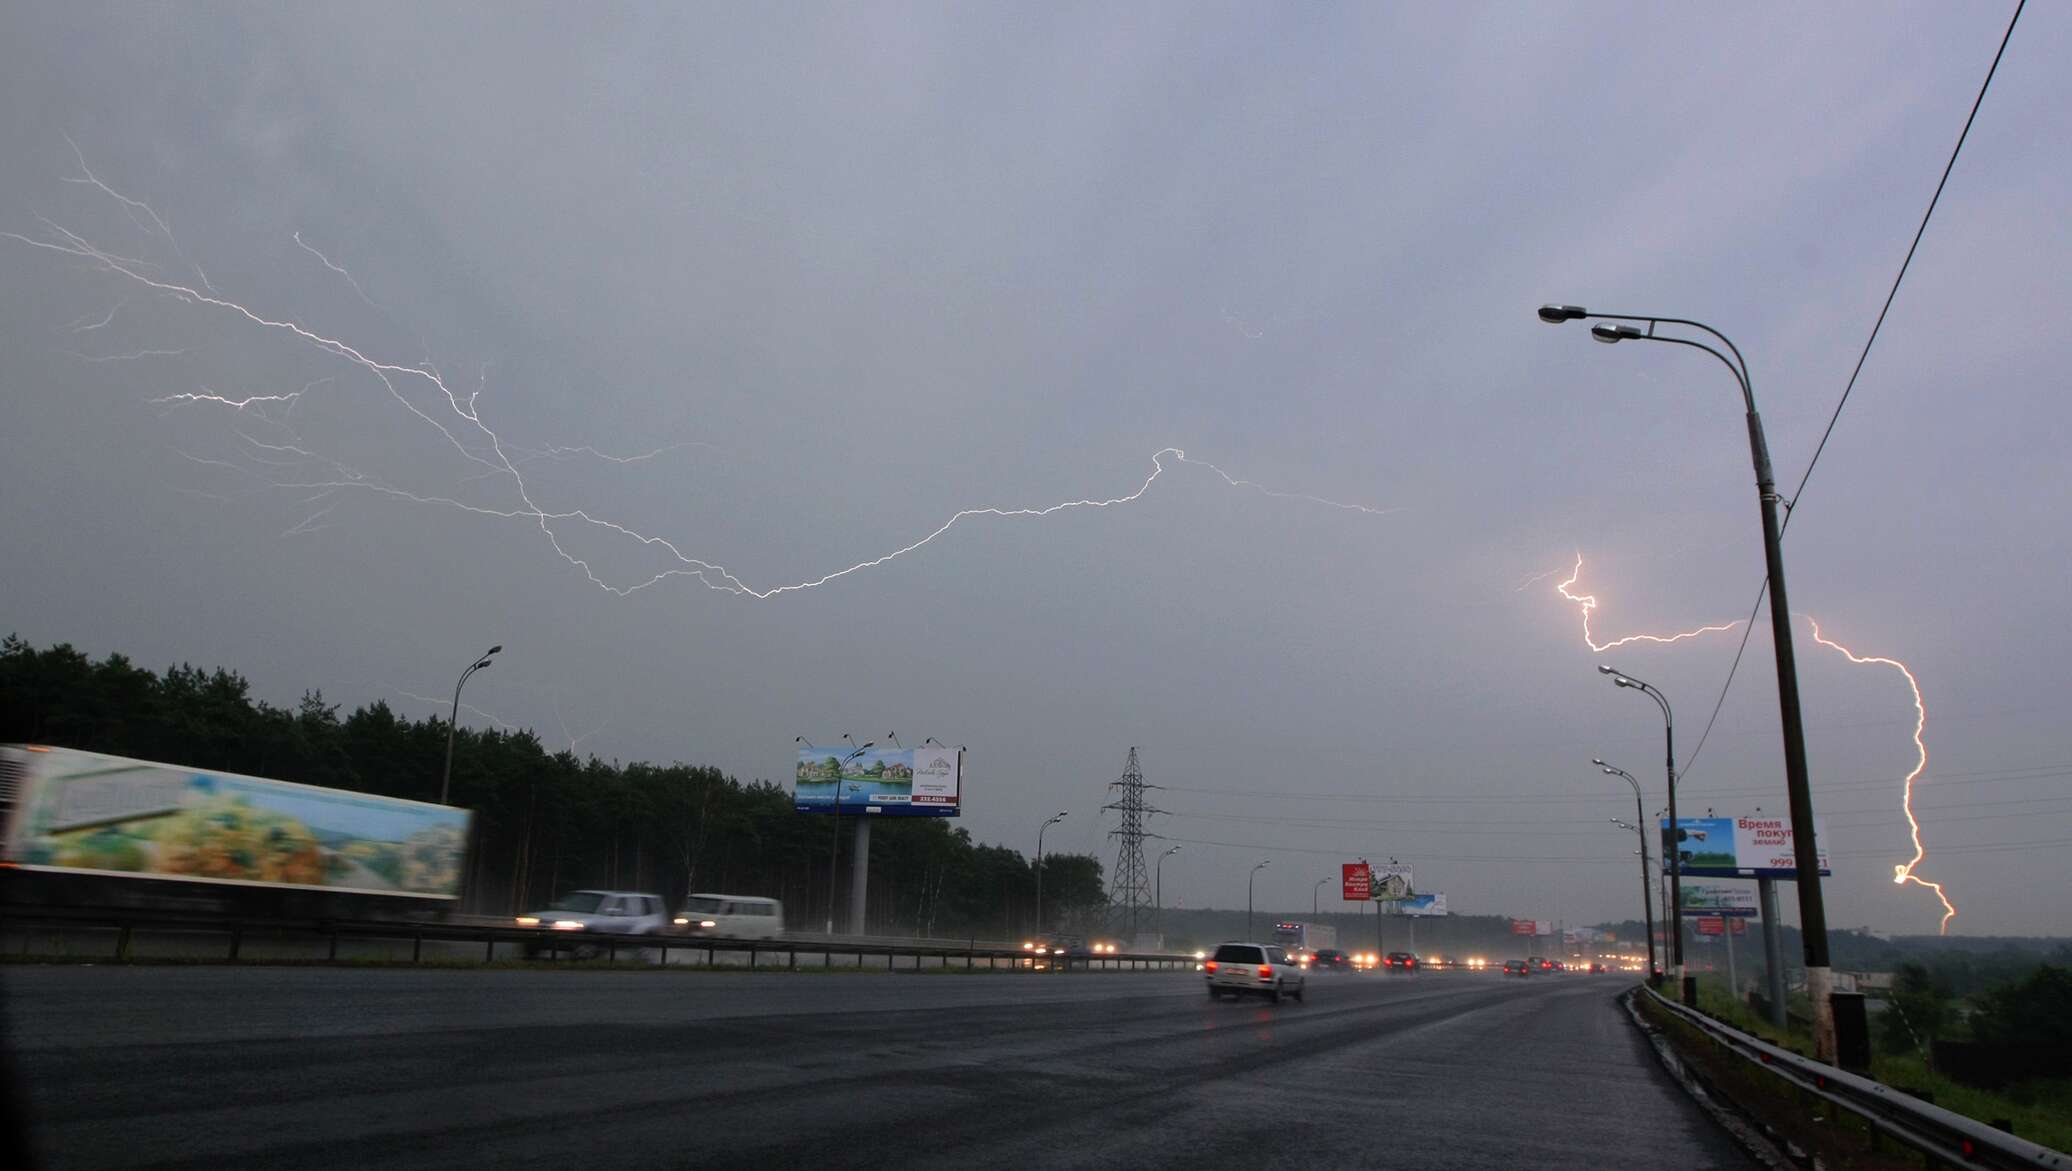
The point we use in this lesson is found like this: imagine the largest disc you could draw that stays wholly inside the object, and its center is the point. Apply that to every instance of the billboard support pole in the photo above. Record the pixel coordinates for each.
(859, 875)
(1726, 928)
(1773, 958)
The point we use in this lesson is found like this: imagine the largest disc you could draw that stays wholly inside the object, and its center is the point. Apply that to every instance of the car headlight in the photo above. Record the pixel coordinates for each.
(681, 922)
(569, 924)
(707, 923)
(528, 920)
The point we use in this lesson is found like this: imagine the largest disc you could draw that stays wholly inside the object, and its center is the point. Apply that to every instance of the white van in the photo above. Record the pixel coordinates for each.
(731, 916)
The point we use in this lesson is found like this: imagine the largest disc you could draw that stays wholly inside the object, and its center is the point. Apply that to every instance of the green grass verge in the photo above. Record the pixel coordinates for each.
(2041, 1110)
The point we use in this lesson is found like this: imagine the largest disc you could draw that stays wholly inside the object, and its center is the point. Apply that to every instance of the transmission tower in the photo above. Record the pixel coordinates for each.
(1129, 888)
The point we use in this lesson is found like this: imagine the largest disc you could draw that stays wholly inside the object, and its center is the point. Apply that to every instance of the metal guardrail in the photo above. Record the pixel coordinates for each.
(546, 940)
(1930, 1129)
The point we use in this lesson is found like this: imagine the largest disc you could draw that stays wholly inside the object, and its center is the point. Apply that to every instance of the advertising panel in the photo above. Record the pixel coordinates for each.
(1522, 926)
(1359, 881)
(1757, 846)
(1719, 898)
(1431, 904)
(82, 812)
(1391, 880)
(1543, 927)
(883, 782)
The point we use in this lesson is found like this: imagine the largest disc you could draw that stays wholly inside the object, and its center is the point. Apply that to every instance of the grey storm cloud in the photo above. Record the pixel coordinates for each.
(790, 290)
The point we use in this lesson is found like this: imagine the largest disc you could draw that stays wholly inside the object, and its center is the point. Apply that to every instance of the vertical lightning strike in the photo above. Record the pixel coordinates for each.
(1905, 873)
(1588, 602)
(1901, 874)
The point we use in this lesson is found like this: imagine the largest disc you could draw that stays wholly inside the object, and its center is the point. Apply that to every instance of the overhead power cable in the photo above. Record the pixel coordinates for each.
(1792, 506)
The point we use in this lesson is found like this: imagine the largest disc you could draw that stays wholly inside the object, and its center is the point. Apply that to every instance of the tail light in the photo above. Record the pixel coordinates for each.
(1265, 971)
(1209, 967)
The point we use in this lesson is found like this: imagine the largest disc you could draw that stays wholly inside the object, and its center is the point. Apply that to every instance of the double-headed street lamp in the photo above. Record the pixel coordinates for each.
(1647, 903)
(446, 778)
(1158, 886)
(1039, 866)
(1805, 851)
(1248, 894)
(1313, 892)
(1687, 986)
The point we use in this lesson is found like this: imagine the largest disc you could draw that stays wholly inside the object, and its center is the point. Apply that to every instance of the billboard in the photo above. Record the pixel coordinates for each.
(1737, 847)
(1432, 904)
(85, 813)
(1522, 926)
(1359, 882)
(1391, 880)
(884, 782)
(1719, 898)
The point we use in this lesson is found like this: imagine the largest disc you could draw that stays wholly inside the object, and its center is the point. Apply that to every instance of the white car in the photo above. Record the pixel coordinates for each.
(1254, 969)
(616, 912)
(731, 916)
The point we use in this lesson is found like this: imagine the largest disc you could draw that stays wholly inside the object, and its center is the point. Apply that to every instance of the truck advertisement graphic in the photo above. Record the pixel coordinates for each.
(86, 813)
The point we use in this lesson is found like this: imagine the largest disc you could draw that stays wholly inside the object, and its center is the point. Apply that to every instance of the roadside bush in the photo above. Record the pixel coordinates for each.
(2035, 1011)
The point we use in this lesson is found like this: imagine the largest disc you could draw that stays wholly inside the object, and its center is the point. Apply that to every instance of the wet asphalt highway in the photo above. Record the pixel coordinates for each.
(304, 1067)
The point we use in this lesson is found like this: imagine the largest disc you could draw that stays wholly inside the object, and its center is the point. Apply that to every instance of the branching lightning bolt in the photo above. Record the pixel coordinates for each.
(441, 704)
(305, 246)
(1901, 873)
(205, 395)
(1904, 873)
(475, 441)
(1588, 602)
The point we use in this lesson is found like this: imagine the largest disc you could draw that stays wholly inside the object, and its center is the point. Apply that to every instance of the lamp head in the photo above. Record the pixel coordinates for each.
(1611, 334)
(1598, 763)
(482, 664)
(1556, 314)
(1606, 669)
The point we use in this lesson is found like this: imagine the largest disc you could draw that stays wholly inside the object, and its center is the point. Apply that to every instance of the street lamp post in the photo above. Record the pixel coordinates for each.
(1039, 867)
(1687, 986)
(1805, 851)
(1313, 892)
(446, 778)
(1158, 888)
(1248, 894)
(1640, 822)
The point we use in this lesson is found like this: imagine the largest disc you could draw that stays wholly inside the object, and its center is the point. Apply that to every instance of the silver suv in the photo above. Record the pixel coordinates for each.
(618, 912)
(1258, 969)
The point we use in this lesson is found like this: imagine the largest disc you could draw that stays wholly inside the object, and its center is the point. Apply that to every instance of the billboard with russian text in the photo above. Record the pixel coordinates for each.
(1359, 881)
(1430, 904)
(881, 782)
(1756, 846)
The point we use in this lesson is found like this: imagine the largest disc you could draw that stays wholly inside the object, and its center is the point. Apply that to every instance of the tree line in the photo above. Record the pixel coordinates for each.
(547, 822)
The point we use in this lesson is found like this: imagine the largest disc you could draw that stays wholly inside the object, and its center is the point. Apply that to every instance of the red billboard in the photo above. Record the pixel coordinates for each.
(1359, 882)
(1524, 927)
